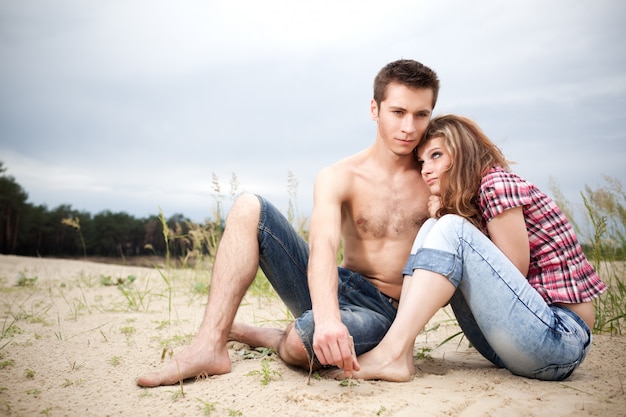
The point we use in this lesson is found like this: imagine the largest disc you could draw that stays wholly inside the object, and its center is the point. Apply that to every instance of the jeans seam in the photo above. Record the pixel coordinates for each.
(262, 230)
(500, 277)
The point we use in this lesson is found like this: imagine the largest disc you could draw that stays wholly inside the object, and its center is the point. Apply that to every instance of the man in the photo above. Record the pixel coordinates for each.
(375, 201)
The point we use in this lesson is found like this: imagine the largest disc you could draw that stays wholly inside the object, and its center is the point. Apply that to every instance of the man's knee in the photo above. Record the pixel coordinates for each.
(246, 203)
(291, 348)
(246, 206)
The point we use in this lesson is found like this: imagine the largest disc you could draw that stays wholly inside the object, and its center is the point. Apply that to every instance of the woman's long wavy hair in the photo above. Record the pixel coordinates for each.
(472, 156)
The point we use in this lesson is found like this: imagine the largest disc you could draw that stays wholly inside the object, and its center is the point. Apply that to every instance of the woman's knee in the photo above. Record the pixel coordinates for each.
(451, 228)
(452, 221)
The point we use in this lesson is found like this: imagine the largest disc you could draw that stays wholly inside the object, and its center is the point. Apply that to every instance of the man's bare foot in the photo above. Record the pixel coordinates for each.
(376, 364)
(193, 361)
(256, 336)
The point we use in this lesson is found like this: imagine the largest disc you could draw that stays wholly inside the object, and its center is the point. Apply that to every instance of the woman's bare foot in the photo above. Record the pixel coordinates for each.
(193, 361)
(376, 364)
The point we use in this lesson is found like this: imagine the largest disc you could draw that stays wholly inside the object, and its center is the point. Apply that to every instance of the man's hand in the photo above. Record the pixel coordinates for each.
(434, 203)
(333, 345)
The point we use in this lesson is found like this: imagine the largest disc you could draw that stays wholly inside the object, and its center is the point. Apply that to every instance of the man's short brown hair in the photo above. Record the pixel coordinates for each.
(406, 72)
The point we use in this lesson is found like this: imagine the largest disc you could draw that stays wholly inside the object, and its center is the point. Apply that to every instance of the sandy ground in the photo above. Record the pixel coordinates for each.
(72, 345)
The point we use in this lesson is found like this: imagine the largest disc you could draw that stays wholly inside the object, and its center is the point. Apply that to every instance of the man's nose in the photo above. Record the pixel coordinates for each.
(408, 124)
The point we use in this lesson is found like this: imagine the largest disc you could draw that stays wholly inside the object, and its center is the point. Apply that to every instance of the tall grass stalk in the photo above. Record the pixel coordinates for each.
(606, 208)
(8, 330)
(166, 276)
(166, 235)
(604, 244)
(293, 213)
(168, 282)
(75, 224)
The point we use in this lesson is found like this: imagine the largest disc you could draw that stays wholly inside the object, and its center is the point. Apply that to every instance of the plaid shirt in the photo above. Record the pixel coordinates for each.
(559, 270)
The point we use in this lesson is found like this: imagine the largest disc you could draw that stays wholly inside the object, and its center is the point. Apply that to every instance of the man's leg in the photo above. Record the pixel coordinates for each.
(235, 267)
(283, 258)
(366, 312)
(286, 342)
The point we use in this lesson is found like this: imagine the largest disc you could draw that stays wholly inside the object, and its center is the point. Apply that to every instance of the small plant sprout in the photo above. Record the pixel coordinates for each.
(25, 281)
(74, 366)
(423, 353)
(128, 331)
(115, 360)
(207, 406)
(7, 363)
(167, 351)
(348, 382)
(266, 373)
(29, 373)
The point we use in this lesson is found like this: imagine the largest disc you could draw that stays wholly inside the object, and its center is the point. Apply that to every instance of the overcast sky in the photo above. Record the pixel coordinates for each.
(133, 105)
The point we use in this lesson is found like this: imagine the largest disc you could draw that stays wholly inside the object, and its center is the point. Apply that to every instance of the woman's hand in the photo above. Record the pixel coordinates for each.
(434, 204)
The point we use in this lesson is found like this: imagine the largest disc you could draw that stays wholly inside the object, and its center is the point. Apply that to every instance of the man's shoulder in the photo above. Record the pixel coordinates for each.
(352, 160)
(345, 167)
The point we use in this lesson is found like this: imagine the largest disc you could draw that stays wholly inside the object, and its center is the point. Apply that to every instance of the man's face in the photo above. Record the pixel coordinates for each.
(403, 117)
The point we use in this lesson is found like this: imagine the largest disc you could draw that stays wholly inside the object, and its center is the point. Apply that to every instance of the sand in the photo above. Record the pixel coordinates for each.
(72, 345)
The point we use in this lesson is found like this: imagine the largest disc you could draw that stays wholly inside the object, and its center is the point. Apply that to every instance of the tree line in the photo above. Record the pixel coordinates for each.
(35, 230)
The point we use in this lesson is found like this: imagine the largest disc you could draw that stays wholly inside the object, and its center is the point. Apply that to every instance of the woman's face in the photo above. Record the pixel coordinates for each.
(434, 160)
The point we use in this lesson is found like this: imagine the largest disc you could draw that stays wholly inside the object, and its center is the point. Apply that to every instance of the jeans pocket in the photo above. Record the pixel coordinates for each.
(555, 372)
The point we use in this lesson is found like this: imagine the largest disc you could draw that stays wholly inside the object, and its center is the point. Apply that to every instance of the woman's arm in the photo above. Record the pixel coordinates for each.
(508, 232)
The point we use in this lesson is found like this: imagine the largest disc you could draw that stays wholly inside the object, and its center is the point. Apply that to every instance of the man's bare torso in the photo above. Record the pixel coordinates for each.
(380, 219)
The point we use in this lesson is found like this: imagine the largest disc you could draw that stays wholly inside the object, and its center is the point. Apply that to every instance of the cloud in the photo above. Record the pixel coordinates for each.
(128, 105)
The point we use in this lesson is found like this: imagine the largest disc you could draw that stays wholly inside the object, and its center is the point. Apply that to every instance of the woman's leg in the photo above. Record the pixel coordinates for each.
(423, 294)
(392, 359)
(510, 322)
(471, 330)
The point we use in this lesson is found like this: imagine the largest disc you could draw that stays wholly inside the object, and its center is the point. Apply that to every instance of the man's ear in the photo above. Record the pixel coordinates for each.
(374, 110)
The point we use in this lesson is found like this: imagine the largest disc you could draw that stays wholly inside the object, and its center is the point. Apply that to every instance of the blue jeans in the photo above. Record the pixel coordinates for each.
(284, 255)
(501, 315)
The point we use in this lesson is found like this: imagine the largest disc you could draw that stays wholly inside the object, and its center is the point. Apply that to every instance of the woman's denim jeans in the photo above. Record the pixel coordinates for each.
(502, 316)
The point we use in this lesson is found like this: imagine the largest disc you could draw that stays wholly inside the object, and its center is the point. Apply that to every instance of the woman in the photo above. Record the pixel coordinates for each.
(502, 254)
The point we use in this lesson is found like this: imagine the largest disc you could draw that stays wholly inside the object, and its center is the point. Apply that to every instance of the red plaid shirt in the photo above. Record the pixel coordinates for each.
(559, 270)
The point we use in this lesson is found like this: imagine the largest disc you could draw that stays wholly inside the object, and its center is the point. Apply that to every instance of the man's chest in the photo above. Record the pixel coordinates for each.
(386, 214)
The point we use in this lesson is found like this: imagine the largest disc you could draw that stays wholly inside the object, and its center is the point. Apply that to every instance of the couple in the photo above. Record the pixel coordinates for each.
(518, 306)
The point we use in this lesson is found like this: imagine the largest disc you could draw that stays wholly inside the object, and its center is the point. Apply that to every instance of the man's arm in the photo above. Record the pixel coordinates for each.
(331, 339)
